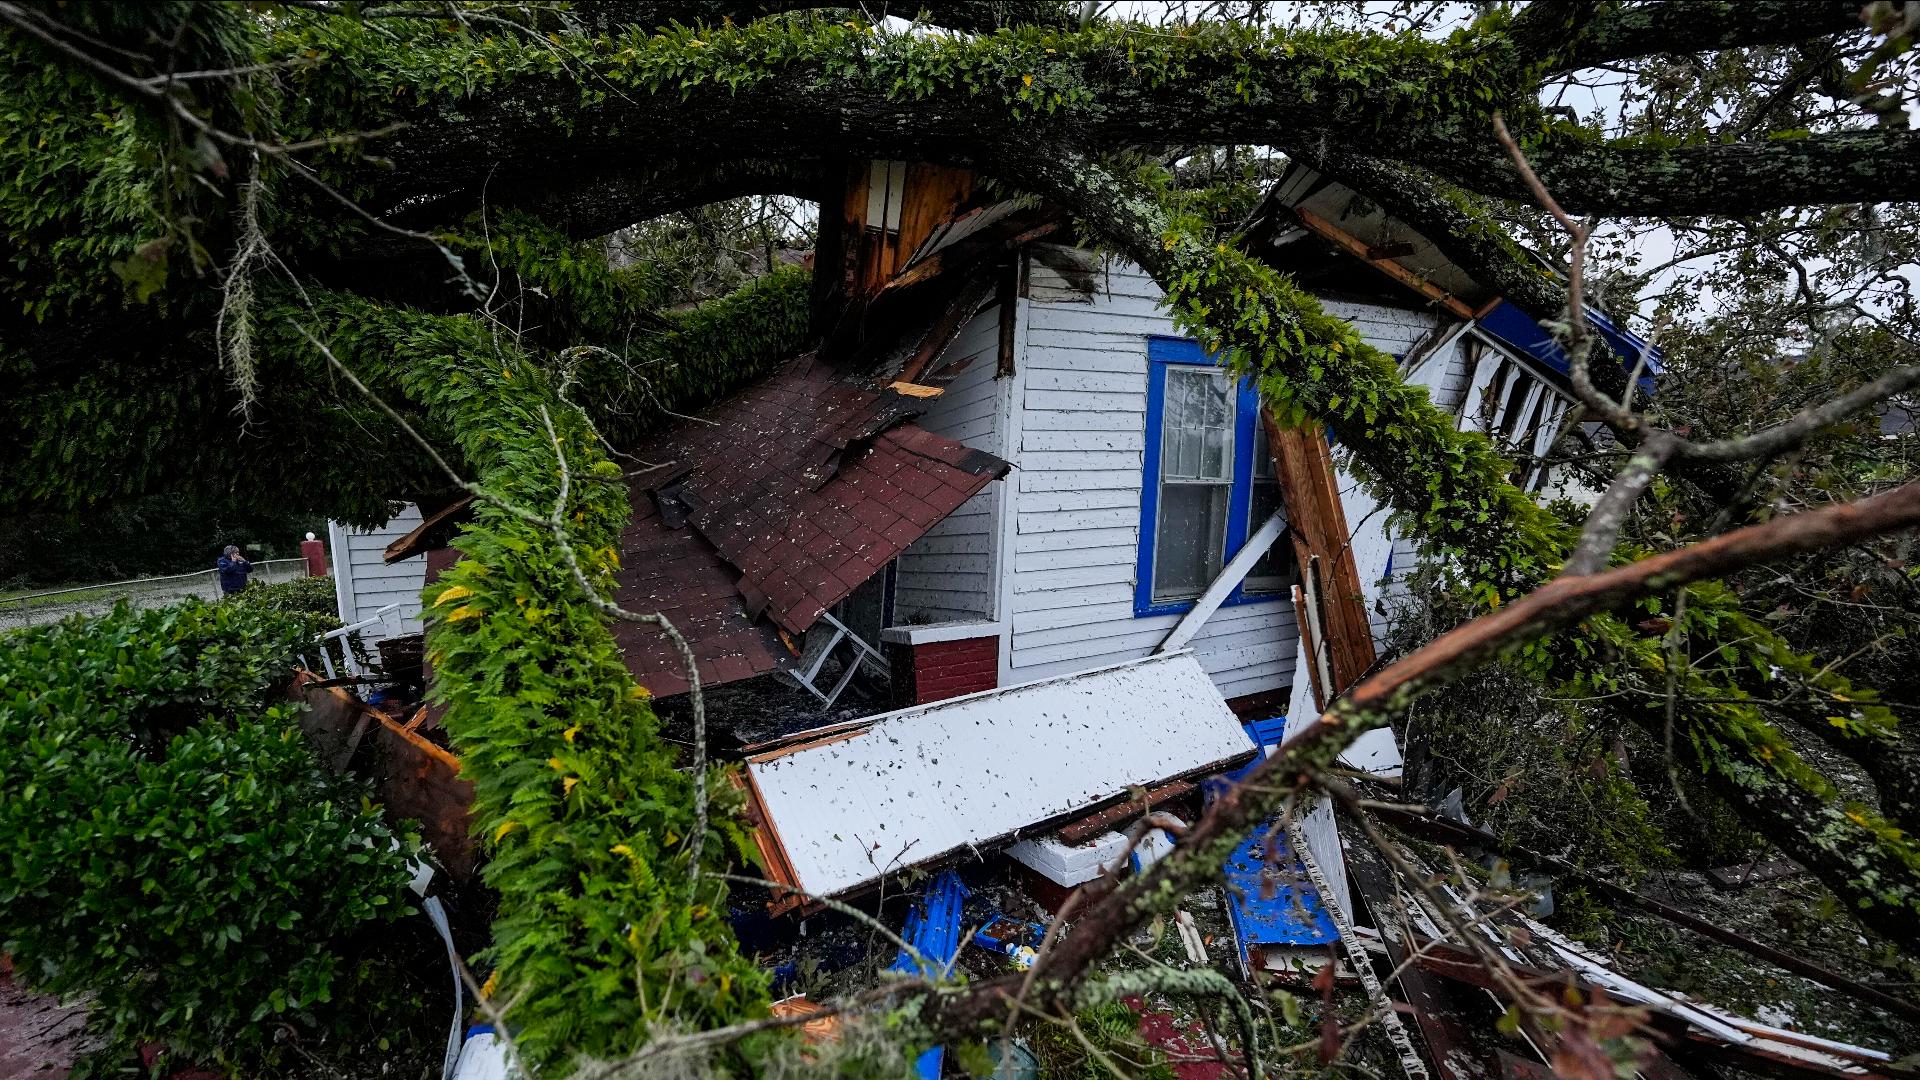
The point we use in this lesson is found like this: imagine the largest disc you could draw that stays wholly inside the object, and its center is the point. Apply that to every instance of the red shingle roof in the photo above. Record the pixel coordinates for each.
(794, 493)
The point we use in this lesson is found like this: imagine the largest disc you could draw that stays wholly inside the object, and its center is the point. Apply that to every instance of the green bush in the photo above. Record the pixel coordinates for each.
(309, 599)
(173, 848)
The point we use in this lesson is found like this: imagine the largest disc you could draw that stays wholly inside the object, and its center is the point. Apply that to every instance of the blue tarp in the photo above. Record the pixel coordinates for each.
(1522, 332)
(1270, 901)
(933, 929)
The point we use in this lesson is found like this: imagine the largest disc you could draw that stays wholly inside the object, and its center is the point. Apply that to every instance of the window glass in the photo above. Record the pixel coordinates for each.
(1196, 481)
(1274, 572)
(1191, 537)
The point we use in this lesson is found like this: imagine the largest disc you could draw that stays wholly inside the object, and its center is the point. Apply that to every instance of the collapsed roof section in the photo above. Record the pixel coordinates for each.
(771, 508)
(1306, 213)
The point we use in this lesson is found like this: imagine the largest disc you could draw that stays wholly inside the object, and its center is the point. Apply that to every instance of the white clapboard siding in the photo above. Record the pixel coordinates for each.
(1075, 540)
(1391, 330)
(949, 574)
(1445, 373)
(363, 583)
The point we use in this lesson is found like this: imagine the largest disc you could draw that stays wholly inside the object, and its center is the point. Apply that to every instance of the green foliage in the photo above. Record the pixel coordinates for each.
(1114, 1030)
(309, 601)
(1033, 72)
(174, 850)
(600, 932)
(1446, 486)
(165, 533)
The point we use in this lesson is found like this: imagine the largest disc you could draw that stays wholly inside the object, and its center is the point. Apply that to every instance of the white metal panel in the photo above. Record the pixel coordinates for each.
(916, 785)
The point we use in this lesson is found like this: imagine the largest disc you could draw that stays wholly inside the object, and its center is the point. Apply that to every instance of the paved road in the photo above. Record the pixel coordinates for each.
(19, 611)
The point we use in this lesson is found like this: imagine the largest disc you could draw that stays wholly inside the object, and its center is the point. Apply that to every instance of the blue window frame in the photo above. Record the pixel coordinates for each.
(1196, 512)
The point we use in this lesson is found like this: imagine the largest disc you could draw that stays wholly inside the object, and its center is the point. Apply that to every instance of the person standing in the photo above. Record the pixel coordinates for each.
(315, 552)
(234, 569)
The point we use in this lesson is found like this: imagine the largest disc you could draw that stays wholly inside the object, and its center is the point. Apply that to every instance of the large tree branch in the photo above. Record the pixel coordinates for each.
(1112, 910)
(974, 16)
(1623, 31)
(1721, 179)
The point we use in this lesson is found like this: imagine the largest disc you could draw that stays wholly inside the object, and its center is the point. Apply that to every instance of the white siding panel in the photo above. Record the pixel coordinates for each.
(1069, 540)
(1090, 499)
(1082, 440)
(1134, 404)
(1080, 358)
(1126, 479)
(1389, 329)
(949, 574)
(1077, 420)
(364, 583)
(1084, 460)
(1086, 382)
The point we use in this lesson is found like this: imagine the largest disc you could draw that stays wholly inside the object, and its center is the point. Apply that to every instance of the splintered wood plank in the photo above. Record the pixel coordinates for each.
(1318, 522)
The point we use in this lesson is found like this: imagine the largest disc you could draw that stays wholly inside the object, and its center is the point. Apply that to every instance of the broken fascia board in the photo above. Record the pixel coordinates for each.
(852, 803)
(1715, 1021)
(1228, 580)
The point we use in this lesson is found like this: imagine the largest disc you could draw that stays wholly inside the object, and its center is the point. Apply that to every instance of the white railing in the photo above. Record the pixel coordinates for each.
(344, 636)
(52, 605)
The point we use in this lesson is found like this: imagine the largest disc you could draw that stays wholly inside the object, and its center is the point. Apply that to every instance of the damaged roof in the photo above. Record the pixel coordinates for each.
(772, 507)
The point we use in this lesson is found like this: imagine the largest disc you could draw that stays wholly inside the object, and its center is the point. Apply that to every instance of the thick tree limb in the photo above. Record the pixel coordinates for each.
(1114, 910)
(1623, 31)
(841, 92)
(1721, 179)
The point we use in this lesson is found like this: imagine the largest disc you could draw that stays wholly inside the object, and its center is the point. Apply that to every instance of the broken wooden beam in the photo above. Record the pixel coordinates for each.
(1108, 820)
(1359, 249)
(1445, 831)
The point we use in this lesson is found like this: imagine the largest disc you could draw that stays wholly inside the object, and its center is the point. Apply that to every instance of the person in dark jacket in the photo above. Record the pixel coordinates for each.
(234, 569)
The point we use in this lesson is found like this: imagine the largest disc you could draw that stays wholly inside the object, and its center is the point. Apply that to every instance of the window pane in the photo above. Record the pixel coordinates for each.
(1274, 572)
(1196, 439)
(1262, 457)
(1189, 540)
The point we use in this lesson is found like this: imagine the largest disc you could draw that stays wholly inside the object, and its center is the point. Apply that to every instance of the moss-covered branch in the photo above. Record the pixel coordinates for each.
(580, 804)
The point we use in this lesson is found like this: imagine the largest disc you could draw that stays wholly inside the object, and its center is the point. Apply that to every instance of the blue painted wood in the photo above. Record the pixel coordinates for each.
(1269, 900)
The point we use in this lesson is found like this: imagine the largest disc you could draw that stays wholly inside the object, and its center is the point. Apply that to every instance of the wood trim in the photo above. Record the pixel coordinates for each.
(1358, 249)
(767, 839)
(1318, 520)
(1223, 585)
(1086, 828)
(1007, 290)
(1309, 648)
